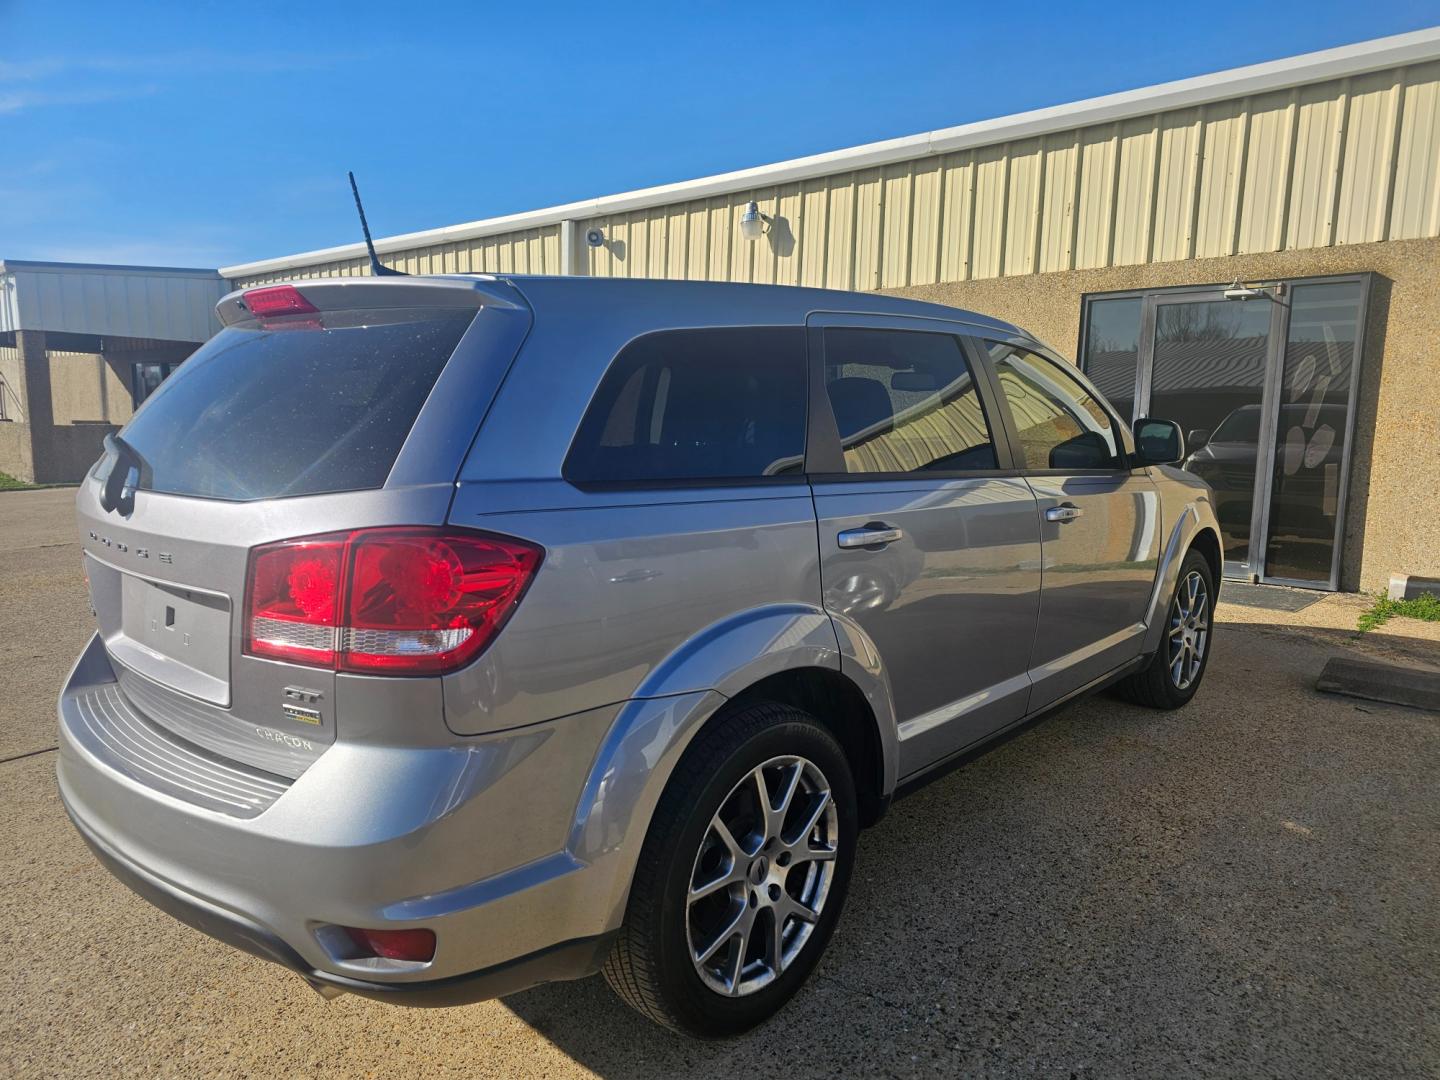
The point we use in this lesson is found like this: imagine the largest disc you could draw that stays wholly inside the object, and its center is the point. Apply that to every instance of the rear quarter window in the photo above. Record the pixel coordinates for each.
(295, 407)
(719, 404)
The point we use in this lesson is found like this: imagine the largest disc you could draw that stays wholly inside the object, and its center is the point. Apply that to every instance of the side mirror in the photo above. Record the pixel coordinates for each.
(1157, 442)
(1197, 438)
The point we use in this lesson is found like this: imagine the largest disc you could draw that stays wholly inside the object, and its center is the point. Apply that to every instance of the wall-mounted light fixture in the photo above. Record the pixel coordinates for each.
(753, 224)
(1240, 291)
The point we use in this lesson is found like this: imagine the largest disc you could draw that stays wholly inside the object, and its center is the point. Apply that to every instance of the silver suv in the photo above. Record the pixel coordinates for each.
(458, 634)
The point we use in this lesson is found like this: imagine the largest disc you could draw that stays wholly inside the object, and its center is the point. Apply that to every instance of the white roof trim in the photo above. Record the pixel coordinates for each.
(1396, 51)
(29, 266)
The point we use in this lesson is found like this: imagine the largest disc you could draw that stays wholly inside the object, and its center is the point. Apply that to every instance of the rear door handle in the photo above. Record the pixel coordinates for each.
(1065, 512)
(869, 536)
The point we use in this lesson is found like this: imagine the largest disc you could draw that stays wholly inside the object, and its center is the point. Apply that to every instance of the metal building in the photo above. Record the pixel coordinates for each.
(81, 345)
(1114, 228)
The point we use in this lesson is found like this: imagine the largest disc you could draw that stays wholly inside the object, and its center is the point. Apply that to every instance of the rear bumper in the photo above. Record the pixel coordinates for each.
(567, 960)
(465, 837)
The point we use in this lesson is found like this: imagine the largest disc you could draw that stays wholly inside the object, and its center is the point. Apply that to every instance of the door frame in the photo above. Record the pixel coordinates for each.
(1253, 569)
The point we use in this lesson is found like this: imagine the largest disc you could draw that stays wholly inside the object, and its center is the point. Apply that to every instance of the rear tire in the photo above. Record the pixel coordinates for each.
(731, 906)
(1174, 673)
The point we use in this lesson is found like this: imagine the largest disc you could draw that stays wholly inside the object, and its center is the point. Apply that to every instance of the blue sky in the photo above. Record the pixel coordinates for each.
(207, 134)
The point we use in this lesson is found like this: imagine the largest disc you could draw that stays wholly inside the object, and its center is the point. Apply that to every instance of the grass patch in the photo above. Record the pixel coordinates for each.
(9, 483)
(1425, 606)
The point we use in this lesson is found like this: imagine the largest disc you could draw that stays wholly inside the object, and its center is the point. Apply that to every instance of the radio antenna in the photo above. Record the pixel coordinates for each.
(377, 268)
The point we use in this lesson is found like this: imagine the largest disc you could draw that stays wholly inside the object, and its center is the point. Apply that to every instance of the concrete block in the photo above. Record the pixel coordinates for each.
(1374, 681)
(1409, 586)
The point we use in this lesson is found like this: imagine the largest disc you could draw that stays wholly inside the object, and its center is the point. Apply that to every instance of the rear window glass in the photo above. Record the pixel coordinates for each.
(259, 413)
(716, 404)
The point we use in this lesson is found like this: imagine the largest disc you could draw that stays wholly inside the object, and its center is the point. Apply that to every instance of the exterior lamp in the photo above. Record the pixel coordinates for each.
(1238, 290)
(753, 224)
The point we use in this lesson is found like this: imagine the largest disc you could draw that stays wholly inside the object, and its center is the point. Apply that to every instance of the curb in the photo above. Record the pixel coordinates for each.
(1374, 681)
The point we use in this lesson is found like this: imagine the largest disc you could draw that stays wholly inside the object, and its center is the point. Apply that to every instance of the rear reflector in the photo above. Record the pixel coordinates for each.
(416, 945)
(406, 601)
(278, 300)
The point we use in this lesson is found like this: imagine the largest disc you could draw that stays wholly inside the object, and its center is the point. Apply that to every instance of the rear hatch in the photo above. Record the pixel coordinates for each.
(321, 408)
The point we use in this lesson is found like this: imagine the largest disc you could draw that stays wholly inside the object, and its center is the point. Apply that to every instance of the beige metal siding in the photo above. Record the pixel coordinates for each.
(533, 251)
(1347, 161)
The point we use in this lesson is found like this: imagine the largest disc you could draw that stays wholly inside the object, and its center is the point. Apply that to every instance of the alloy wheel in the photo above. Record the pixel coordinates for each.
(762, 875)
(1189, 630)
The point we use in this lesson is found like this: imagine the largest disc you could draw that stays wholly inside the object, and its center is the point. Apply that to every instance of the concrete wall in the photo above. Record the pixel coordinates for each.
(85, 396)
(86, 389)
(1395, 471)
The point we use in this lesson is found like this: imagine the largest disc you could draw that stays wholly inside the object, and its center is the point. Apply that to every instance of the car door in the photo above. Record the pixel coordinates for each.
(1099, 520)
(929, 539)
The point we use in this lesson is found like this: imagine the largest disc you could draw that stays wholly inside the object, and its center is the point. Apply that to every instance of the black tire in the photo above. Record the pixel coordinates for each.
(1156, 686)
(650, 965)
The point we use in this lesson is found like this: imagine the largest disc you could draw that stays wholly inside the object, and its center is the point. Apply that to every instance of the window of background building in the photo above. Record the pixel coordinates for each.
(905, 401)
(714, 404)
(1111, 352)
(145, 379)
(1320, 353)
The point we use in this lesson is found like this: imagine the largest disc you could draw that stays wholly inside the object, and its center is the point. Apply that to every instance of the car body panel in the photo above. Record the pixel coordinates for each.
(1099, 572)
(624, 590)
(951, 606)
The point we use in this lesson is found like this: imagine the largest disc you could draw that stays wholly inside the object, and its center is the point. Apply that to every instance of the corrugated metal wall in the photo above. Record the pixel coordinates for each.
(533, 251)
(1340, 162)
(167, 305)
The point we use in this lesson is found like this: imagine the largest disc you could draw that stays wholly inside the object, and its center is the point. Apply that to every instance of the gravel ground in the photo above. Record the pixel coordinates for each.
(1244, 888)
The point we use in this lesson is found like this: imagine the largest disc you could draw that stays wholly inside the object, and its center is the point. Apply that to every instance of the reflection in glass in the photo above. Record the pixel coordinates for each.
(1310, 438)
(1112, 350)
(1060, 425)
(905, 402)
(1208, 376)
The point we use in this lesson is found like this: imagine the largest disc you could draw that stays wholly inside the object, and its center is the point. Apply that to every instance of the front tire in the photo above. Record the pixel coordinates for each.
(1174, 673)
(742, 875)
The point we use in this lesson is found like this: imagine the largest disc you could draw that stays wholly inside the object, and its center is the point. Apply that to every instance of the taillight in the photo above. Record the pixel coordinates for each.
(294, 600)
(405, 601)
(278, 300)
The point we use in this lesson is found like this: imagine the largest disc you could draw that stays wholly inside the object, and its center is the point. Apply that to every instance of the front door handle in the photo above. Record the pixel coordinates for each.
(1064, 513)
(872, 535)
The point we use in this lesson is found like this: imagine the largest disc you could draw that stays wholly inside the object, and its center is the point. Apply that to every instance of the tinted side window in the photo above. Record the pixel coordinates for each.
(1061, 426)
(905, 401)
(716, 404)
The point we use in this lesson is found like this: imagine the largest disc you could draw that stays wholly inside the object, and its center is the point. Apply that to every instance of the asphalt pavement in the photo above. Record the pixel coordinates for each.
(1244, 888)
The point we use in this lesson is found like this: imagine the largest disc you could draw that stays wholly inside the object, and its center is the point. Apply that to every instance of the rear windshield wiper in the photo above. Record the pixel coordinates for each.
(128, 470)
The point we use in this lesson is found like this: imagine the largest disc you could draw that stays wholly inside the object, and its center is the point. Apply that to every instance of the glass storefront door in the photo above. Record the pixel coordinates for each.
(1207, 373)
(1264, 391)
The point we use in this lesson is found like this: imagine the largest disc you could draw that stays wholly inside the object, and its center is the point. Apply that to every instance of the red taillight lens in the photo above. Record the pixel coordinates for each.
(278, 300)
(417, 945)
(423, 602)
(398, 601)
(294, 600)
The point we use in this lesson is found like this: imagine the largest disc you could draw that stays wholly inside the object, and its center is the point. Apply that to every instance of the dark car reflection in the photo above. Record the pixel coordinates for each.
(1307, 464)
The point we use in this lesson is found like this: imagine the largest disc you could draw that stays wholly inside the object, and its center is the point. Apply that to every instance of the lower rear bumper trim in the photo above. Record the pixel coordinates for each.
(565, 960)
